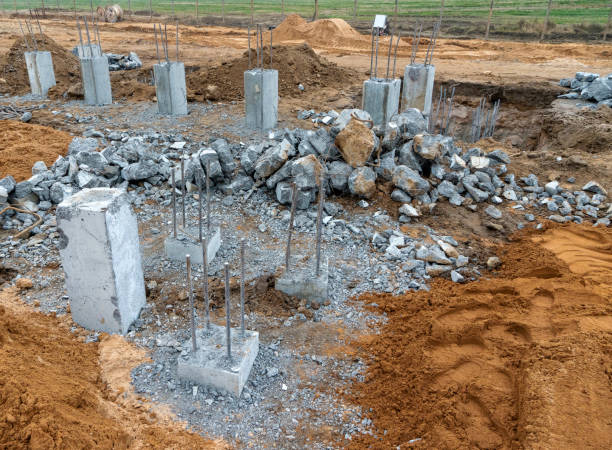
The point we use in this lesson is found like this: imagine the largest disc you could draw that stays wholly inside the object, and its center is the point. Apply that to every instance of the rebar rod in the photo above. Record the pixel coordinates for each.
(207, 198)
(173, 204)
(270, 49)
(372, 54)
(389, 57)
(376, 54)
(249, 40)
(166, 41)
(228, 324)
(30, 30)
(80, 38)
(242, 275)
(399, 35)
(205, 275)
(291, 218)
(38, 22)
(450, 110)
(194, 345)
(177, 41)
(156, 45)
(200, 208)
(183, 190)
(320, 221)
(24, 37)
(88, 37)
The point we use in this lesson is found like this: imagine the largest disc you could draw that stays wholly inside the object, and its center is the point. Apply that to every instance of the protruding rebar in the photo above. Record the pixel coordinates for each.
(200, 208)
(88, 37)
(166, 42)
(416, 41)
(194, 345)
(291, 217)
(320, 220)
(228, 324)
(389, 57)
(242, 276)
(208, 198)
(376, 54)
(25, 38)
(399, 36)
(38, 22)
(99, 40)
(156, 44)
(31, 31)
(183, 190)
(249, 40)
(205, 275)
(270, 48)
(177, 41)
(257, 46)
(173, 204)
(372, 54)
(80, 39)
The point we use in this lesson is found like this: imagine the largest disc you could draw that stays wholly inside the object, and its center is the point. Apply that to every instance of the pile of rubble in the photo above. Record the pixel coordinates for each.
(119, 62)
(589, 86)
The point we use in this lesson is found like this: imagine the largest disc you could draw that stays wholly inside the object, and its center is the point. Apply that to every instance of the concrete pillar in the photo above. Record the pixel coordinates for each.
(88, 51)
(170, 88)
(40, 72)
(96, 81)
(261, 98)
(381, 99)
(101, 259)
(418, 88)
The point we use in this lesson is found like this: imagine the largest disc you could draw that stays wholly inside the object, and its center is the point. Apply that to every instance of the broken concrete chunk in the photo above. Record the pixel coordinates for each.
(338, 174)
(271, 160)
(306, 172)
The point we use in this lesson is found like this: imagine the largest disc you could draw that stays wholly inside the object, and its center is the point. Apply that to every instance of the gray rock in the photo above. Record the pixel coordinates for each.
(447, 189)
(408, 158)
(410, 122)
(226, 159)
(552, 187)
(499, 156)
(95, 160)
(338, 174)
(283, 193)
(39, 167)
(409, 211)
(22, 189)
(306, 171)
(249, 158)
(387, 166)
(45, 205)
(493, 212)
(271, 160)
(456, 277)
(345, 117)
(42, 192)
(599, 90)
(433, 254)
(139, 171)
(557, 218)
(80, 144)
(434, 270)
(280, 175)
(362, 182)
(585, 76)
(209, 156)
(240, 183)
(8, 183)
(3, 196)
(410, 181)
(400, 196)
(26, 117)
(593, 186)
(509, 194)
(86, 180)
(427, 146)
(59, 192)
(493, 262)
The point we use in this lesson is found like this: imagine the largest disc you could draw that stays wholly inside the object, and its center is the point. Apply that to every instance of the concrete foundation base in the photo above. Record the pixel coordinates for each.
(209, 365)
(261, 98)
(303, 283)
(101, 258)
(418, 88)
(170, 88)
(96, 81)
(187, 244)
(381, 99)
(40, 72)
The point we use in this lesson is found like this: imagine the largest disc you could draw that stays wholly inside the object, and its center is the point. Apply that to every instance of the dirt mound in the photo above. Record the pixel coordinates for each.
(53, 394)
(297, 64)
(325, 31)
(14, 73)
(520, 360)
(587, 130)
(24, 144)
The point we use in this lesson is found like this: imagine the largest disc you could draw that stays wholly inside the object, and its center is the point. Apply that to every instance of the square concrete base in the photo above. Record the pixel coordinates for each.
(170, 88)
(303, 283)
(261, 98)
(381, 99)
(187, 244)
(209, 365)
(418, 88)
(96, 81)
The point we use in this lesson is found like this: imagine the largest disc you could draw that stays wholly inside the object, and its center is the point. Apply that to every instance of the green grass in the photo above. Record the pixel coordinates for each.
(566, 12)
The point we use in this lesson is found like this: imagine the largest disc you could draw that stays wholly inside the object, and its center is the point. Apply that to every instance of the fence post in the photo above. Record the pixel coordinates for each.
(355, 10)
(441, 10)
(607, 29)
(223, 11)
(150, 10)
(283, 9)
(316, 11)
(196, 8)
(545, 28)
(489, 20)
(252, 18)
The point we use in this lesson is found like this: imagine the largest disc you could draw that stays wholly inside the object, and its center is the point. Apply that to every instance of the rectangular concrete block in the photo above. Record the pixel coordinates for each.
(96, 81)
(209, 365)
(170, 88)
(101, 258)
(261, 98)
(88, 51)
(303, 282)
(418, 88)
(381, 99)
(40, 72)
(187, 244)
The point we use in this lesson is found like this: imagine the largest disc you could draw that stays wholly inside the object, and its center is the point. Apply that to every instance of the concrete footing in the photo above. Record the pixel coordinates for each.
(209, 365)
(101, 258)
(88, 51)
(418, 87)
(187, 244)
(303, 283)
(40, 72)
(170, 88)
(381, 99)
(261, 98)
(96, 81)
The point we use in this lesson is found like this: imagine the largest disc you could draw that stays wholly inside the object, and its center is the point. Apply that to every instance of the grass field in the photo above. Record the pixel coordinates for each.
(563, 12)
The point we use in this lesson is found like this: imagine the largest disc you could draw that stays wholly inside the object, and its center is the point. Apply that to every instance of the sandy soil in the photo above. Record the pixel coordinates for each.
(519, 359)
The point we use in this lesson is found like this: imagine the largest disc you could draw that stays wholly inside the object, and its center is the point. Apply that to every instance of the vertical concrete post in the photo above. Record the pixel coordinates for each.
(261, 98)
(40, 72)
(101, 258)
(170, 88)
(96, 80)
(418, 87)
(381, 99)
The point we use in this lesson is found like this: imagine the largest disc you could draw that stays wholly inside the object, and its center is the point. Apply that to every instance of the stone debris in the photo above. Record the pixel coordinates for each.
(589, 86)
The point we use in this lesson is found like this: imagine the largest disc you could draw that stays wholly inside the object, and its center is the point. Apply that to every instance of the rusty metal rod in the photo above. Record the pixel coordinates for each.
(320, 220)
(173, 204)
(228, 324)
(242, 280)
(291, 218)
(194, 345)
(205, 274)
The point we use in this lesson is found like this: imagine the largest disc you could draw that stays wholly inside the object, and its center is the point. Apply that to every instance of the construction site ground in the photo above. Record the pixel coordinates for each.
(519, 358)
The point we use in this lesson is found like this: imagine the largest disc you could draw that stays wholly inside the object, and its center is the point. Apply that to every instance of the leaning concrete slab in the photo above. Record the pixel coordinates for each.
(40, 72)
(302, 282)
(418, 87)
(261, 98)
(187, 244)
(170, 88)
(209, 365)
(101, 258)
(96, 81)
(381, 99)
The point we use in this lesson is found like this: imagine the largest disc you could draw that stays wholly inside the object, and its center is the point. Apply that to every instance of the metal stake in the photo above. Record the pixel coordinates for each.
(372, 54)
(242, 242)
(183, 189)
(376, 60)
(293, 203)
(173, 204)
(205, 270)
(24, 37)
(177, 41)
(191, 306)
(320, 220)
(389, 57)
(228, 324)
(99, 40)
(200, 208)
(249, 40)
(80, 37)
(156, 45)
(270, 49)
(207, 199)
(395, 55)
(88, 38)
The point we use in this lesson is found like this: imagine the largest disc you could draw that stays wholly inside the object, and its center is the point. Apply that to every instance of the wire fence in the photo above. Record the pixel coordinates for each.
(589, 19)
